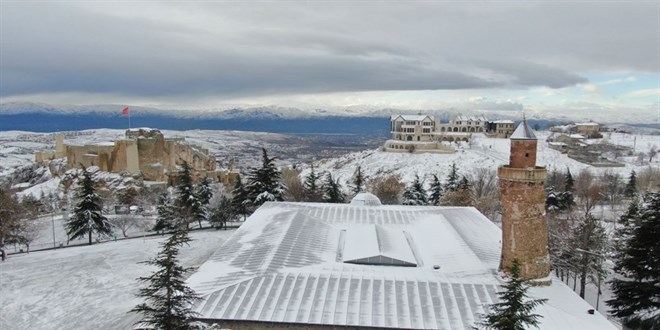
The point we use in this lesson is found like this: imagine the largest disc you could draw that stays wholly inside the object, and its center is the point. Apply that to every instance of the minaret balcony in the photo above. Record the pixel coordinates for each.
(537, 173)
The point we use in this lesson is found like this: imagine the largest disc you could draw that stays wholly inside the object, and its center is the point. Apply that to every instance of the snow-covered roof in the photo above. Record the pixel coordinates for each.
(304, 263)
(586, 124)
(412, 117)
(470, 118)
(523, 132)
(504, 121)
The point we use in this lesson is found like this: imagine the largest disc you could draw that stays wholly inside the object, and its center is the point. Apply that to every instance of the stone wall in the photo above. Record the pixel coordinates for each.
(523, 153)
(524, 225)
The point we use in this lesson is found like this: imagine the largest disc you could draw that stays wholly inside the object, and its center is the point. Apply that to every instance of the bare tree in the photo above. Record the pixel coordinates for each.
(124, 223)
(387, 188)
(28, 232)
(652, 152)
(612, 187)
(295, 189)
(588, 190)
(648, 179)
(485, 192)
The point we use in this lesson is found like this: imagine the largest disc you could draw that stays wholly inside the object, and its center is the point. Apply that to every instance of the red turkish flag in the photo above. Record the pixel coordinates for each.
(125, 111)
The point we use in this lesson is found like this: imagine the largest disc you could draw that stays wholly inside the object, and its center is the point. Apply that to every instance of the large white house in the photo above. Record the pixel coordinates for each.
(424, 133)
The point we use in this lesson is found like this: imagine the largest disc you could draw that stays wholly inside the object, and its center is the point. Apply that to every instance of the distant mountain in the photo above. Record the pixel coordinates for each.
(347, 120)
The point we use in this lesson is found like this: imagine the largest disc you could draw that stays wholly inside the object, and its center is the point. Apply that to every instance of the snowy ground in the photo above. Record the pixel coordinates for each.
(88, 287)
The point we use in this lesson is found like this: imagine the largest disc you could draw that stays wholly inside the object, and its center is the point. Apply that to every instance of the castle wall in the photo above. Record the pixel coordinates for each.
(145, 151)
(88, 155)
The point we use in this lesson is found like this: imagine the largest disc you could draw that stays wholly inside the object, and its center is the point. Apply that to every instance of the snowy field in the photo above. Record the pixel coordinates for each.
(87, 287)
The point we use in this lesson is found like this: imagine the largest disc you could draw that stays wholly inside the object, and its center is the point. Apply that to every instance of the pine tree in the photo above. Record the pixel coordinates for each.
(358, 181)
(452, 179)
(566, 199)
(569, 183)
(166, 214)
(264, 183)
(332, 191)
(415, 193)
(239, 201)
(311, 188)
(513, 312)
(636, 290)
(631, 186)
(167, 298)
(186, 202)
(551, 201)
(436, 191)
(627, 223)
(88, 214)
(202, 194)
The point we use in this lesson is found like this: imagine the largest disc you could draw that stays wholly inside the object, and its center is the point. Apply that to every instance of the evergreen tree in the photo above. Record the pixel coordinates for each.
(566, 199)
(88, 214)
(569, 183)
(10, 220)
(222, 213)
(311, 188)
(627, 223)
(551, 201)
(202, 194)
(332, 191)
(636, 290)
(166, 214)
(415, 193)
(239, 201)
(186, 202)
(167, 298)
(452, 179)
(358, 181)
(436, 191)
(631, 186)
(264, 183)
(514, 311)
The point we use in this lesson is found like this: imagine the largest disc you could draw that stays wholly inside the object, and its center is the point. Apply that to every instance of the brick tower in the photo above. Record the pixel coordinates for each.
(522, 193)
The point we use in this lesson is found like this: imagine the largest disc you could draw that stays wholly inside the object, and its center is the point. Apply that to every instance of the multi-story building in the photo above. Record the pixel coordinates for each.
(412, 127)
(423, 133)
(501, 128)
(464, 124)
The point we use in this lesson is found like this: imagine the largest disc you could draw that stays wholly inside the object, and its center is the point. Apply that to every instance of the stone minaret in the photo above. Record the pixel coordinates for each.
(522, 192)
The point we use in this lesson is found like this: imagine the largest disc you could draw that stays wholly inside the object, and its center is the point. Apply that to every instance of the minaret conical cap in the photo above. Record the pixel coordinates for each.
(523, 132)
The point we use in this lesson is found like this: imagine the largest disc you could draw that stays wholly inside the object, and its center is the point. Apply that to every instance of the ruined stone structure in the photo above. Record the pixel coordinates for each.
(524, 225)
(143, 151)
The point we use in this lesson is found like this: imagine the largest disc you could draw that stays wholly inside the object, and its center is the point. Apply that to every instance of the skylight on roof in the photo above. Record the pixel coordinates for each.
(377, 245)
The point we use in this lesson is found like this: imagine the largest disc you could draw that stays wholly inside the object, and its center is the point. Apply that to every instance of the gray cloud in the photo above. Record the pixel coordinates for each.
(229, 49)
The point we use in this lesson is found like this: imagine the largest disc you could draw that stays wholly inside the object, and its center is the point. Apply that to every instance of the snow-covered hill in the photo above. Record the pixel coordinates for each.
(482, 153)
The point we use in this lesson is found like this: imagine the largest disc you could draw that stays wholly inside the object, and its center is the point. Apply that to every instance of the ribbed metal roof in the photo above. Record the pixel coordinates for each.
(284, 265)
(523, 132)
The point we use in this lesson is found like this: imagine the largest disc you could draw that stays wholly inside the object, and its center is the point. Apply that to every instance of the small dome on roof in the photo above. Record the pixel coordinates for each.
(365, 199)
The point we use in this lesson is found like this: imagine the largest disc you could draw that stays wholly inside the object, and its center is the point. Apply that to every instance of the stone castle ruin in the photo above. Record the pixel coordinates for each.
(142, 151)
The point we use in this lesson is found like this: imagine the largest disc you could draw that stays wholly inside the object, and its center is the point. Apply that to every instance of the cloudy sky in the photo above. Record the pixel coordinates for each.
(585, 56)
